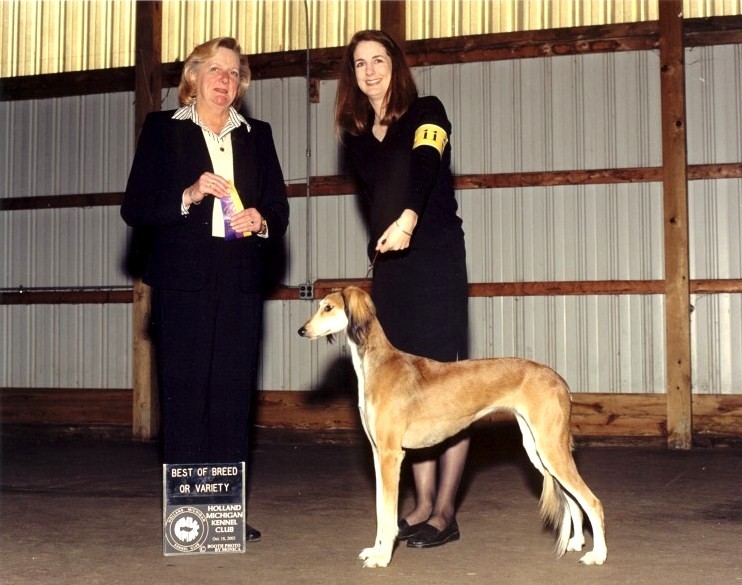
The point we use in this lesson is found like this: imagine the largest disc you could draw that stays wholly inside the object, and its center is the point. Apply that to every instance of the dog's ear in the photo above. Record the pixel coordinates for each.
(360, 311)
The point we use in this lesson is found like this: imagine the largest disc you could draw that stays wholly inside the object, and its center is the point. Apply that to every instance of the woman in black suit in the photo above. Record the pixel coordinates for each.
(207, 257)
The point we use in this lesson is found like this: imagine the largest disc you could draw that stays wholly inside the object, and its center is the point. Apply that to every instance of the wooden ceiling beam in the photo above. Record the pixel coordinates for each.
(324, 63)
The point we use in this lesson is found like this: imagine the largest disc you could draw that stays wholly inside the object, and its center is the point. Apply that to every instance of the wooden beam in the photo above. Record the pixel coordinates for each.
(322, 287)
(717, 415)
(66, 296)
(333, 185)
(393, 17)
(715, 30)
(61, 201)
(325, 62)
(594, 415)
(73, 83)
(676, 232)
(566, 288)
(65, 406)
(148, 96)
(101, 296)
(556, 288)
(635, 36)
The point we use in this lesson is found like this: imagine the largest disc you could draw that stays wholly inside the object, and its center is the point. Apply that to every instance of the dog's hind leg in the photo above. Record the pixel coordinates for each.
(575, 485)
(556, 456)
(555, 509)
(577, 541)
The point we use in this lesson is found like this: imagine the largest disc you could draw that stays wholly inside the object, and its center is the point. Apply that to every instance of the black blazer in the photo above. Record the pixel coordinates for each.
(170, 156)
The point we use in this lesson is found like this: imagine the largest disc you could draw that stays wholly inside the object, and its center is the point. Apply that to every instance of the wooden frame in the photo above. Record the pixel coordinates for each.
(595, 416)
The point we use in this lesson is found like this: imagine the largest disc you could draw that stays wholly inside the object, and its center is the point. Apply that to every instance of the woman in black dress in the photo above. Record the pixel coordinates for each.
(397, 145)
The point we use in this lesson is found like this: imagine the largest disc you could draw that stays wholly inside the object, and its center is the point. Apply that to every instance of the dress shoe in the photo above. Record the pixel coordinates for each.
(252, 534)
(429, 536)
(406, 531)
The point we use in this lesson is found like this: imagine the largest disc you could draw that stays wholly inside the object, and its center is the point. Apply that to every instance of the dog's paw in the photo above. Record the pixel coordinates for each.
(576, 543)
(374, 557)
(594, 558)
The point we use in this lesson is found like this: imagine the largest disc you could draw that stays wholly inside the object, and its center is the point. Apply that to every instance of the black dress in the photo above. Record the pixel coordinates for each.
(420, 293)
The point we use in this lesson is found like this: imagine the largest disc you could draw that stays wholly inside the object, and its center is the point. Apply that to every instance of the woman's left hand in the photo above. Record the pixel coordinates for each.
(247, 220)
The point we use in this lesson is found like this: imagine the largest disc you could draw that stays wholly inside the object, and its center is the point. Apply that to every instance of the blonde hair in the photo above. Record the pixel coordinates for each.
(203, 52)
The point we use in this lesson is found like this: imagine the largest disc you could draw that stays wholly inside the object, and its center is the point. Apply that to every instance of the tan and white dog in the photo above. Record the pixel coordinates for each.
(410, 402)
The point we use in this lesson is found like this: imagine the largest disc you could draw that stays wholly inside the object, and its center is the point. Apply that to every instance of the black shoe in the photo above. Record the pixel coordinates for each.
(406, 531)
(429, 536)
(252, 534)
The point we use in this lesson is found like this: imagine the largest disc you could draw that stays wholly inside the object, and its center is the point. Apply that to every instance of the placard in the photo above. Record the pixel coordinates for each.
(203, 508)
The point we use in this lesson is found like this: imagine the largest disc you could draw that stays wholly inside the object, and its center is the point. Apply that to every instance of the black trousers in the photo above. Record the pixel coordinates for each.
(207, 345)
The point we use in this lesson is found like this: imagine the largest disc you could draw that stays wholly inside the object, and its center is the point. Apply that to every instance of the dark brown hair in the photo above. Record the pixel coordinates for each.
(352, 107)
(204, 51)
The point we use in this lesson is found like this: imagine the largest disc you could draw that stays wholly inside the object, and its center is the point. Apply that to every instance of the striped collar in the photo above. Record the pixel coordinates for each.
(233, 121)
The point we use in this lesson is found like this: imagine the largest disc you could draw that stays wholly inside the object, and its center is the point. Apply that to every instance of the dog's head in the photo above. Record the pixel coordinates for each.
(329, 319)
(350, 310)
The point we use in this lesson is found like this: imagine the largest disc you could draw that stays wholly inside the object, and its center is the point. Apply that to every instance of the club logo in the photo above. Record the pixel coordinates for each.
(186, 529)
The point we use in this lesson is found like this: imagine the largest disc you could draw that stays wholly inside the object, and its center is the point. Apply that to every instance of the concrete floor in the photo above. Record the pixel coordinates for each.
(88, 511)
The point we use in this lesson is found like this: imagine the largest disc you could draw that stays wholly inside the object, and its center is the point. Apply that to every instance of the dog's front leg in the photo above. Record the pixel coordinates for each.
(387, 463)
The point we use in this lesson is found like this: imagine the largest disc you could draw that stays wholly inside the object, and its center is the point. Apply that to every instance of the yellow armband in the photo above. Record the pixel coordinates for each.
(431, 135)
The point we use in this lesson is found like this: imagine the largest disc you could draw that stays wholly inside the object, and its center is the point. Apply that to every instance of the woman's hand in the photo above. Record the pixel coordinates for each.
(247, 220)
(398, 235)
(207, 184)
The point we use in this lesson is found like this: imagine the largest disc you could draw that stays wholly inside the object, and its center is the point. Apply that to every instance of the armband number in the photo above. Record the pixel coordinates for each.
(431, 135)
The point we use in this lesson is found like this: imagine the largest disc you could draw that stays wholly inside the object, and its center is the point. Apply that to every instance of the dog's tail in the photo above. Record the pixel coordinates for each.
(555, 512)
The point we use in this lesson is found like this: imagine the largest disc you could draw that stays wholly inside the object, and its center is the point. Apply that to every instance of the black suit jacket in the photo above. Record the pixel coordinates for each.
(170, 156)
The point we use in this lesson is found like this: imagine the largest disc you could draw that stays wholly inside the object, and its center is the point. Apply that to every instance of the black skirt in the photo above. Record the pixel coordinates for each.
(421, 297)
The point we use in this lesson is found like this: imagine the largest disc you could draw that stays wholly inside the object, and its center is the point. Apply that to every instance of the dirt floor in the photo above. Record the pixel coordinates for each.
(76, 510)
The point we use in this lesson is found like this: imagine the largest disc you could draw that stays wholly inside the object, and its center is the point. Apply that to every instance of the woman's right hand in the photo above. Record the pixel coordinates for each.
(207, 184)
(398, 235)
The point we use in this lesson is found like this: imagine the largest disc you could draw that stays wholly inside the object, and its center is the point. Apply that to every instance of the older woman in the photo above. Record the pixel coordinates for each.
(398, 147)
(207, 257)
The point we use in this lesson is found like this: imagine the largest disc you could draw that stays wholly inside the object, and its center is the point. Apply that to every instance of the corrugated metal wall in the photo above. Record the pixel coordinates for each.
(575, 112)
(48, 36)
(714, 106)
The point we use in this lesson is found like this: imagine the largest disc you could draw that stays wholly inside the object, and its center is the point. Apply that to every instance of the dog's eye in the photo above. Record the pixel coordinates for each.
(328, 308)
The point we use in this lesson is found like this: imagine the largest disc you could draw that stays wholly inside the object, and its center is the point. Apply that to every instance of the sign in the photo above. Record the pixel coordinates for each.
(203, 508)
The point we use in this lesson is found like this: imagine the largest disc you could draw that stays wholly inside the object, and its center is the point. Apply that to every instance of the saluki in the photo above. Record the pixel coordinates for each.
(411, 402)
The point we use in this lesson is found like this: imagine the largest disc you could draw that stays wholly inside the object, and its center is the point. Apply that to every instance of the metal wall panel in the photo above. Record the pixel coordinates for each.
(590, 232)
(575, 112)
(714, 104)
(716, 329)
(444, 18)
(66, 346)
(56, 147)
(563, 113)
(69, 247)
(714, 110)
(598, 343)
(66, 145)
(613, 232)
(715, 209)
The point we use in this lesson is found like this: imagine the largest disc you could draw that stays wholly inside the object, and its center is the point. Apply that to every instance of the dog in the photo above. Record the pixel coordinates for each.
(411, 402)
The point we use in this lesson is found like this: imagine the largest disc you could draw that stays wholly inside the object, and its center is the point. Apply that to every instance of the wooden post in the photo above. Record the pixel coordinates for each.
(393, 19)
(148, 96)
(675, 198)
